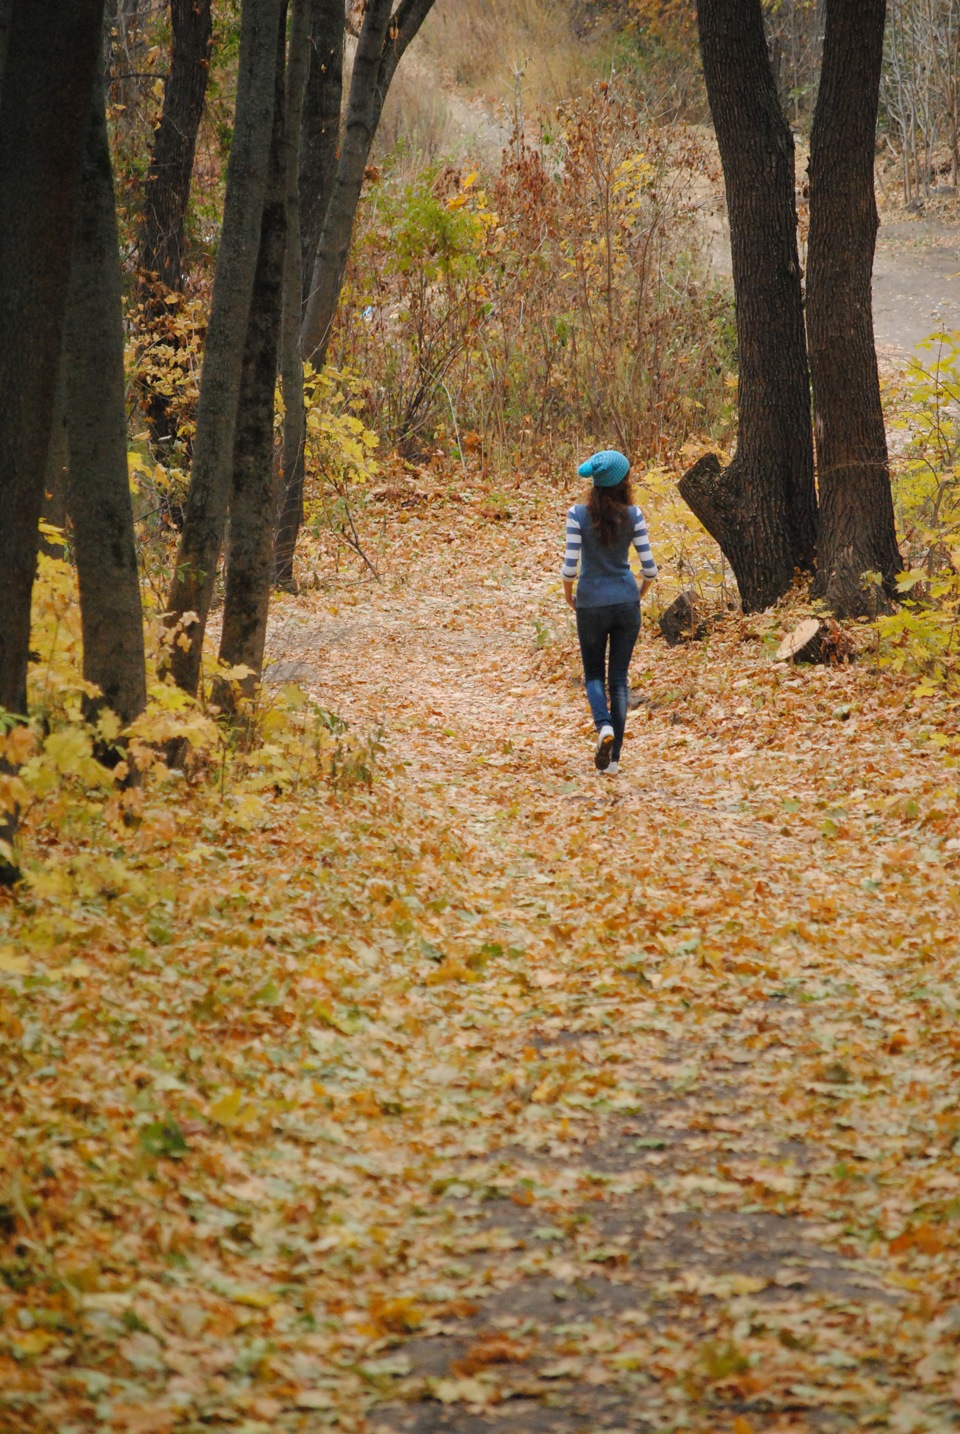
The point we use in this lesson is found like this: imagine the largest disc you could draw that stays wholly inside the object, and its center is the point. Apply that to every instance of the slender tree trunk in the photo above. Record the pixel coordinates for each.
(51, 56)
(253, 498)
(857, 530)
(384, 36)
(98, 491)
(320, 132)
(291, 355)
(212, 470)
(762, 509)
(167, 192)
(167, 188)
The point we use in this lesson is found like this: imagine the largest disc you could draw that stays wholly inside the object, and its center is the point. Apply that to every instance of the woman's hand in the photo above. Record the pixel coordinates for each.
(645, 584)
(568, 593)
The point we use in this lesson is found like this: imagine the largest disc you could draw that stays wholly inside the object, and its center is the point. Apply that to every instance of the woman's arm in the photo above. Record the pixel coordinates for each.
(641, 542)
(571, 557)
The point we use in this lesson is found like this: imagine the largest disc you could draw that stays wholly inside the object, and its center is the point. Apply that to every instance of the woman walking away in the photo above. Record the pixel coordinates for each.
(599, 536)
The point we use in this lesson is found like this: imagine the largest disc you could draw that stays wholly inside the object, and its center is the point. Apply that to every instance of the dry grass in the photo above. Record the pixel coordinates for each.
(475, 64)
(489, 47)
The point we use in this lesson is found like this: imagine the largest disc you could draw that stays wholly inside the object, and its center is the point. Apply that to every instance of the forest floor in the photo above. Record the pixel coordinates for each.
(503, 1095)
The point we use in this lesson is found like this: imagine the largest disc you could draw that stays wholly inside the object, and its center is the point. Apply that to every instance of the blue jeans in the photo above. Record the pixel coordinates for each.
(619, 625)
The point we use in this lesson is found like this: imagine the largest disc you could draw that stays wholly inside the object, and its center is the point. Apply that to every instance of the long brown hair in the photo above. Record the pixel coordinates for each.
(609, 511)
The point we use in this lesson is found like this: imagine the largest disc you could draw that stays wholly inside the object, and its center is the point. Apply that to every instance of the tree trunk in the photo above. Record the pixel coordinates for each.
(383, 39)
(167, 192)
(291, 355)
(6, 17)
(762, 509)
(320, 132)
(98, 491)
(253, 498)
(212, 469)
(167, 188)
(51, 56)
(857, 529)
(54, 509)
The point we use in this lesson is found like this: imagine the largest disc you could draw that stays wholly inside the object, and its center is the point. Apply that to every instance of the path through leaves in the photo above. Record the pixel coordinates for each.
(504, 1096)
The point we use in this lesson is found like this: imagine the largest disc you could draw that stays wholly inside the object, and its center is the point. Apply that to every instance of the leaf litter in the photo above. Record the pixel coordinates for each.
(503, 1095)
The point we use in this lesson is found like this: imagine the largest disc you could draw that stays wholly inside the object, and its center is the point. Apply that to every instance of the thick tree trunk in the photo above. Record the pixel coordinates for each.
(6, 16)
(253, 497)
(98, 490)
(51, 56)
(384, 36)
(291, 355)
(320, 130)
(857, 530)
(212, 470)
(762, 509)
(167, 188)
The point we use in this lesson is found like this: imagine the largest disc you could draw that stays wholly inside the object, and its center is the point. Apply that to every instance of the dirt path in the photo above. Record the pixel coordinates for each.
(729, 940)
(916, 271)
(916, 283)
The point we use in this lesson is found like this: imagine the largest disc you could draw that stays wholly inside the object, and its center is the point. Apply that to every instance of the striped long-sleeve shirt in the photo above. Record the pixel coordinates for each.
(605, 573)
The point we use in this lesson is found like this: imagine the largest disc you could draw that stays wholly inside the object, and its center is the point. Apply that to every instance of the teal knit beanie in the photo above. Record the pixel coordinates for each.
(607, 468)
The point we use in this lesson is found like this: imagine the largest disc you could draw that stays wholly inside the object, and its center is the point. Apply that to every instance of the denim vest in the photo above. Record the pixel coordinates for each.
(605, 573)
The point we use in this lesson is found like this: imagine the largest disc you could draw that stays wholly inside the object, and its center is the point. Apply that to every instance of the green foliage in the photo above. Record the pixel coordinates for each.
(339, 456)
(922, 637)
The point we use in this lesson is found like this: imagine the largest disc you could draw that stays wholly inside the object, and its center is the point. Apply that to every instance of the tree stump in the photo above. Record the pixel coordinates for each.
(813, 641)
(682, 619)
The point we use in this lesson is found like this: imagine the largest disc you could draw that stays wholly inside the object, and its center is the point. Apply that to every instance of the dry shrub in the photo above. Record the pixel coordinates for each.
(564, 295)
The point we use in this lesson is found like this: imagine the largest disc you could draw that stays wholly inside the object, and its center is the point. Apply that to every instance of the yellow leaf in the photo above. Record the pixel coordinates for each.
(67, 750)
(256, 1299)
(233, 1110)
(52, 534)
(11, 964)
(33, 1341)
(109, 725)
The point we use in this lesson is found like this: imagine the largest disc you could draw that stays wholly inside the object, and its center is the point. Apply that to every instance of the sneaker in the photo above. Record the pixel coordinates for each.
(613, 770)
(604, 743)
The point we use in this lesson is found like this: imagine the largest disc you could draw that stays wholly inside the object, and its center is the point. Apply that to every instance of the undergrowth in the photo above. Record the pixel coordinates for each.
(922, 637)
(82, 785)
(561, 296)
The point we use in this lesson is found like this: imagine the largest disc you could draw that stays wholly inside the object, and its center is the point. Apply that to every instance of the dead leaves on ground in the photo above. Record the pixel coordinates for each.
(585, 1093)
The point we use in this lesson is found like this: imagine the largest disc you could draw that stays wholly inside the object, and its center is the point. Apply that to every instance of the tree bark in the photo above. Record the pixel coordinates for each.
(52, 52)
(98, 490)
(253, 498)
(291, 354)
(762, 509)
(320, 131)
(857, 529)
(384, 36)
(54, 508)
(51, 56)
(166, 195)
(6, 17)
(212, 469)
(167, 188)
